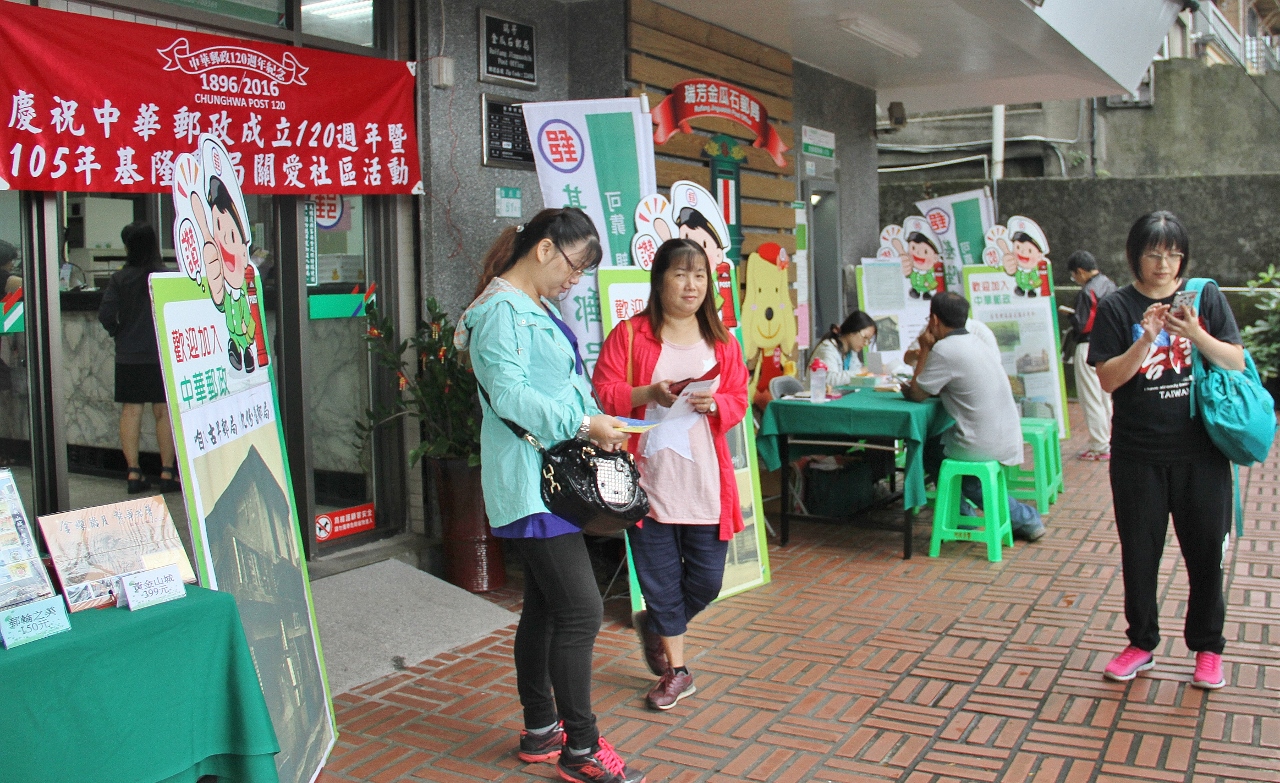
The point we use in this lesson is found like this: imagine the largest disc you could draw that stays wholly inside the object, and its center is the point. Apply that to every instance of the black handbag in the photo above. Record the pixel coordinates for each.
(597, 490)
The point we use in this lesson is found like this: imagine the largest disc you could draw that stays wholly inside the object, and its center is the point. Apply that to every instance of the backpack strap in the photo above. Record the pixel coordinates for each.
(1197, 284)
(1093, 312)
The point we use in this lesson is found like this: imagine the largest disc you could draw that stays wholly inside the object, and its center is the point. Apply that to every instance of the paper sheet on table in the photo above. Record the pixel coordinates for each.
(675, 422)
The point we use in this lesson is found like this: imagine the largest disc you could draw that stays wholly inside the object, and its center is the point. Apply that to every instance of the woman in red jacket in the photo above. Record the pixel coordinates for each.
(685, 466)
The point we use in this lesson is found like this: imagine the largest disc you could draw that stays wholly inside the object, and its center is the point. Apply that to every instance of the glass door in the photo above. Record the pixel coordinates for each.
(15, 394)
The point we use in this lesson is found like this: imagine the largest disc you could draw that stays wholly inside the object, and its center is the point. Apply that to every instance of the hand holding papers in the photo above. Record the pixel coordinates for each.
(675, 422)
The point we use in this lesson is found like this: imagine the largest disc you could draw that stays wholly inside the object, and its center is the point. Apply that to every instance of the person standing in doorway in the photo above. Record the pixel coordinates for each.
(125, 312)
(679, 549)
(1165, 464)
(1094, 287)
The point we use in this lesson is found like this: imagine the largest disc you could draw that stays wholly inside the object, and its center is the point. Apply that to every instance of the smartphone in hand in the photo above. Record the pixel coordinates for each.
(1183, 299)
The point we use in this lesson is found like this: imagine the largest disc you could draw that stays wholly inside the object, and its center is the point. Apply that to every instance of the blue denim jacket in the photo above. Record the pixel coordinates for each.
(527, 366)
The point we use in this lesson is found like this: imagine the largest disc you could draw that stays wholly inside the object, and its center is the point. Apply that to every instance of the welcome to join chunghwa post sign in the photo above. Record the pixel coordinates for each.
(99, 105)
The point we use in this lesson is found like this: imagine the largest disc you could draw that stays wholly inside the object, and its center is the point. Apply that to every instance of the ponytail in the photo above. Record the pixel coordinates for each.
(564, 227)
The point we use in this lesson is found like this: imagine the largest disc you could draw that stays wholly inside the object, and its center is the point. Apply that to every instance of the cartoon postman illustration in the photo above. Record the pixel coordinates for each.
(212, 236)
(1022, 249)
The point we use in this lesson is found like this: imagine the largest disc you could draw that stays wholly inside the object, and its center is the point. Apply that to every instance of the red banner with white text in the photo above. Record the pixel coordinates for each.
(711, 98)
(105, 106)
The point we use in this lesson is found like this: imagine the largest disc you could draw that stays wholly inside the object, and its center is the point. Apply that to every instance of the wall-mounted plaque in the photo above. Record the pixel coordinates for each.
(506, 140)
(508, 54)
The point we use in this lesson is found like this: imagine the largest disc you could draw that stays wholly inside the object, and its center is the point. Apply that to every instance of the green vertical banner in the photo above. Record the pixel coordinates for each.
(244, 520)
(310, 243)
(613, 145)
(970, 231)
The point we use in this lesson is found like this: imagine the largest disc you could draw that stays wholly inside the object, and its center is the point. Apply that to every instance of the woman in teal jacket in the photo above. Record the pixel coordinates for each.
(526, 360)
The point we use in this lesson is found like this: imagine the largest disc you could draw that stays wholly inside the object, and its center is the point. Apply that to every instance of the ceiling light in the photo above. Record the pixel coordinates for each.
(339, 9)
(874, 31)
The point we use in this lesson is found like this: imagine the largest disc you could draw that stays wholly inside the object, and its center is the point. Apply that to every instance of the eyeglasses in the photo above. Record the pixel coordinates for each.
(573, 268)
(1155, 259)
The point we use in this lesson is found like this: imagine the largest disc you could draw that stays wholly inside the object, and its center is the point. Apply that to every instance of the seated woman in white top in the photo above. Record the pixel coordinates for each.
(839, 347)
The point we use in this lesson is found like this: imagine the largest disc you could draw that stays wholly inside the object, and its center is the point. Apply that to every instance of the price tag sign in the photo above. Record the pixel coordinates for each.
(148, 588)
(29, 622)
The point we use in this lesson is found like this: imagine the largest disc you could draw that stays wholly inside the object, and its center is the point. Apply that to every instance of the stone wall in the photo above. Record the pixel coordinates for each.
(1231, 218)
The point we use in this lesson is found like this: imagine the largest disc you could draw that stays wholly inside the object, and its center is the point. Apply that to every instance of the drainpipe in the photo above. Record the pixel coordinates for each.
(997, 142)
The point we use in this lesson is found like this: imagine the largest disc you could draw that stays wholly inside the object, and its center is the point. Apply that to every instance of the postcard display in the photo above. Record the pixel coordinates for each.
(23, 578)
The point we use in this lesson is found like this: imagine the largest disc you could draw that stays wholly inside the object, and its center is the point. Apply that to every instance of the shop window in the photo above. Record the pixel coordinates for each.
(268, 12)
(341, 20)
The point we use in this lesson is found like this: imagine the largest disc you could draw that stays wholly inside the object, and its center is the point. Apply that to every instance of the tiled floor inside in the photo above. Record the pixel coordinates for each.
(855, 665)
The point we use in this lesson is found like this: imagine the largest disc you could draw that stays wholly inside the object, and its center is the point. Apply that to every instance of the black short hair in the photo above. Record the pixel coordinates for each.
(1157, 231)
(916, 236)
(951, 308)
(1022, 236)
(1081, 259)
(694, 219)
(7, 253)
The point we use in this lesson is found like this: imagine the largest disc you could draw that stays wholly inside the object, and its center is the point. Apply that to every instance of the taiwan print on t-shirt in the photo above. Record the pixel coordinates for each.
(1152, 419)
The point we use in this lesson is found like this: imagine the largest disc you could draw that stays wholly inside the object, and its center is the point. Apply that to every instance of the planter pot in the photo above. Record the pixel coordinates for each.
(472, 554)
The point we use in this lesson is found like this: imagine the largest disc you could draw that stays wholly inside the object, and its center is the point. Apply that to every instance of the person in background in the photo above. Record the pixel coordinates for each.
(962, 369)
(9, 279)
(971, 325)
(125, 312)
(1094, 286)
(1164, 462)
(679, 549)
(840, 347)
(527, 363)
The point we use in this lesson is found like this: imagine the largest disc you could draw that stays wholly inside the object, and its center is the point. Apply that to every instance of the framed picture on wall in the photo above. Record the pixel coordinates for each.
(506, 137)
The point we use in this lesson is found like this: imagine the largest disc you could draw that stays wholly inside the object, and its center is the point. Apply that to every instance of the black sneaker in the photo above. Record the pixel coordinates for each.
(602, 765)
(541, 747)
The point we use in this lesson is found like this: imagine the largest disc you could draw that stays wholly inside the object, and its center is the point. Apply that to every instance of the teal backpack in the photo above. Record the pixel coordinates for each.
(1237, 411)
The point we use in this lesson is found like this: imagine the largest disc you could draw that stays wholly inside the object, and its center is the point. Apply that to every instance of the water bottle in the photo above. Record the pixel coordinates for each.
(818, 381)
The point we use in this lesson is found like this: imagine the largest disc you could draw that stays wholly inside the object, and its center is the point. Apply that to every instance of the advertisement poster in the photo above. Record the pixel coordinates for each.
(219, 378)
(597, 156)
(22, 574)
(294, 120)
(960, 222)
(1013, 294)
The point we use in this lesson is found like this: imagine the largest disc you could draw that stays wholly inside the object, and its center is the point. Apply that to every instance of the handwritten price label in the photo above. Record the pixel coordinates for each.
(29, 622)
(148, 588)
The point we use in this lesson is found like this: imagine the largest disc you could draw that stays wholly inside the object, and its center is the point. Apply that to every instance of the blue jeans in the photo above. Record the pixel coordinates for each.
(680, 569)
(1022, 517)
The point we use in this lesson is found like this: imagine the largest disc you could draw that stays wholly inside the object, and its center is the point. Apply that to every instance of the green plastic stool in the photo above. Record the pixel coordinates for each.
(1043, 481)
(1055, 450)
(996, 526)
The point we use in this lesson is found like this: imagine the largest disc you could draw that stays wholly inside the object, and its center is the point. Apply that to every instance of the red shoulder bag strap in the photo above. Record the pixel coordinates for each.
(1093, 311)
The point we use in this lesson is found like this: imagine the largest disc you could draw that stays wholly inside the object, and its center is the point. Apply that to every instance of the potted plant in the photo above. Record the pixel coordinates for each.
(439, 391)
(1262, 337)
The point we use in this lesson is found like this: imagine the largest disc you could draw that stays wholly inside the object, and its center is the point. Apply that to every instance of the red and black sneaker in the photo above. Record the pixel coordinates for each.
(601, 765)
(541, 747)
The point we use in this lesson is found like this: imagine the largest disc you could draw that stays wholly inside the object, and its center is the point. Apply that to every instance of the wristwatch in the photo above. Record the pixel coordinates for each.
(713, 408)
(584, 429)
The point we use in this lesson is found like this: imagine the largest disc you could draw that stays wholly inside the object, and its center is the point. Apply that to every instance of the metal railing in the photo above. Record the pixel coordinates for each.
(1256, 54)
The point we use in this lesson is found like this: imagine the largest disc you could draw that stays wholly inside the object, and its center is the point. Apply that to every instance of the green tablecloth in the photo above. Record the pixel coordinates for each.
(167, 693)
(864, 414)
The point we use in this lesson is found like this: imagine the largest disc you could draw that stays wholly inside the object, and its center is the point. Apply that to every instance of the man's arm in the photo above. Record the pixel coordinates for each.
(913, 391)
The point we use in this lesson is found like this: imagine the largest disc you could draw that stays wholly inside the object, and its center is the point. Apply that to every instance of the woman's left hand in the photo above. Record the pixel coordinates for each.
(1184, 322)
(702, 401)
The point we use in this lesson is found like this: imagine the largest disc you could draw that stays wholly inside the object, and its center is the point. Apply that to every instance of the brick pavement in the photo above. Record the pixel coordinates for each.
(854, 665)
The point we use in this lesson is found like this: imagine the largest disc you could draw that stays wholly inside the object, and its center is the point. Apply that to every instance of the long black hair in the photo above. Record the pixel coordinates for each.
(854, 322)
(141, 247)
(564, 227)
(1157, 231)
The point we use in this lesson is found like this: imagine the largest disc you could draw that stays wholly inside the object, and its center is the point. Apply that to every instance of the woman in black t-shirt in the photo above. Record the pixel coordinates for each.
(1163, 462)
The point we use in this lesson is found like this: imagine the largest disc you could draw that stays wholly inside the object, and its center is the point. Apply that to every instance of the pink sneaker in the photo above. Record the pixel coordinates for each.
(1095, 456)
(1208, 672)
(1126, 665)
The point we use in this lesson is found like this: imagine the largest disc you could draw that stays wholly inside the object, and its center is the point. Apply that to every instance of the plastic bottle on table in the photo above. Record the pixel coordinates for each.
(818, 381)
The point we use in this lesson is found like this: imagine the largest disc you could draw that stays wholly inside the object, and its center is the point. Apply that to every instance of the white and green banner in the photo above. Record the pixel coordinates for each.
(597, 156)
(960, 222)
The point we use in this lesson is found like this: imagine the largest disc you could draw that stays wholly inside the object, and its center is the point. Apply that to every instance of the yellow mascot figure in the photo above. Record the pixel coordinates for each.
(768, 319)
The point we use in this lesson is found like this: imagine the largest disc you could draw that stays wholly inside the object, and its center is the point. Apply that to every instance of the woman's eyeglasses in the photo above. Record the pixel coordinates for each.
(1155, 259)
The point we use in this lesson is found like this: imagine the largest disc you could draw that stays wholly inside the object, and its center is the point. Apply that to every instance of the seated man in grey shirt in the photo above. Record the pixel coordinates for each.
(962, 369)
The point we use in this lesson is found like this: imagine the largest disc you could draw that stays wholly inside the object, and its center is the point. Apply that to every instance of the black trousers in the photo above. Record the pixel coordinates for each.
(1198, 496)
(556, 635)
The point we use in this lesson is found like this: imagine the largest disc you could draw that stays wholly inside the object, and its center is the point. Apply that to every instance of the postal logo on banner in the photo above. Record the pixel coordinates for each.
(939, 220)
(179, 57)
(560, 145)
